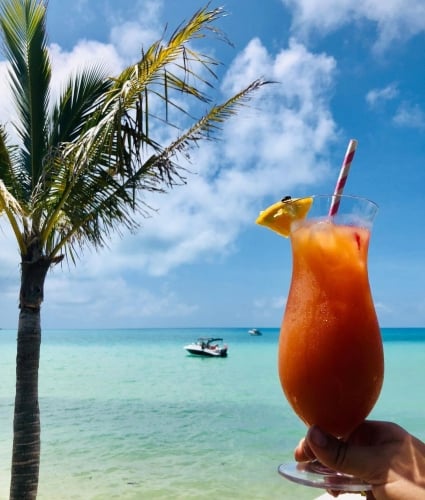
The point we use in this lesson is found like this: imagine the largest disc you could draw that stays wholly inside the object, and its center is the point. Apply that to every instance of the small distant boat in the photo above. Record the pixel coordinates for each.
(255, 332)
(208, 346)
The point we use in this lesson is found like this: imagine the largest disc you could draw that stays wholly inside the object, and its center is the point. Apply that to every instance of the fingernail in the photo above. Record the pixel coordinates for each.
(318, 437)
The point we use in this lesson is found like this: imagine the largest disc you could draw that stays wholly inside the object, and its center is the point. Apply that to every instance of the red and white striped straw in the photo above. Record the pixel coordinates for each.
(343, 174)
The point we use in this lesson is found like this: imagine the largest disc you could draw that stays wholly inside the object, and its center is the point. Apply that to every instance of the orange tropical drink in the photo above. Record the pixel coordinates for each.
(330, 356)
(330, 351)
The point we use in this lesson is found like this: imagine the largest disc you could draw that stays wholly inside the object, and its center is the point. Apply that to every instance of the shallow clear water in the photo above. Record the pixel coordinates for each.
(127, 414)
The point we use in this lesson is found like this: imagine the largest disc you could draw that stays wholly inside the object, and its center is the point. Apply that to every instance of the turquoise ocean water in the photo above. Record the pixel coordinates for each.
(126, 414)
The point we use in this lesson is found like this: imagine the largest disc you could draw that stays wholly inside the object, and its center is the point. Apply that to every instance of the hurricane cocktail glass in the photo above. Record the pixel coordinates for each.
(330, 349)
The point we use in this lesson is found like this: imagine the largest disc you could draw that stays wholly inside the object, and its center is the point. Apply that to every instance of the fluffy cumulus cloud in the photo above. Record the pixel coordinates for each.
(407, 114)
(395, 20)
(108, 295)
(85, 54)
(7, 114)
(410, 115)
(376, 96)
(129, 35)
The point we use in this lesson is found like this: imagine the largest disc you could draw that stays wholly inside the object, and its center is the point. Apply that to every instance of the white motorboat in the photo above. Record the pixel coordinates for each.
(255, 332)
(208, 346)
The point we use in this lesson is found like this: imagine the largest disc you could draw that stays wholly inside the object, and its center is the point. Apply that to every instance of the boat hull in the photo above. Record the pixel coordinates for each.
(208, 353)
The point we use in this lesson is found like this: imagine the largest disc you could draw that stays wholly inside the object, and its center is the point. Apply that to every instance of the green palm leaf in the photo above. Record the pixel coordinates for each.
(23, 27)
(80, 97)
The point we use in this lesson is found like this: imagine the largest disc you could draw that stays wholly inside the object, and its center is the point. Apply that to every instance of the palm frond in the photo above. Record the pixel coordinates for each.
(160, 55)
(94, 205)
(98, 155)
(25, 47)
(98, 203)
(207, 127)
(14, 212)
(122, 122)
(83, 92)
(71, 116)
(14, 177)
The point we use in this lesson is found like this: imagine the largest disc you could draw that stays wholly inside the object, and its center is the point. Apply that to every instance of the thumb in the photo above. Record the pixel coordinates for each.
(342, 456)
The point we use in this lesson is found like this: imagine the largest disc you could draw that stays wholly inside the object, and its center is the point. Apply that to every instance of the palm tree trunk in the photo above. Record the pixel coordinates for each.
(26, 424)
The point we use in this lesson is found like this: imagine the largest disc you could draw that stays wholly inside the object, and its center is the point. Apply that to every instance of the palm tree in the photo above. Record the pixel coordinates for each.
(79, 169)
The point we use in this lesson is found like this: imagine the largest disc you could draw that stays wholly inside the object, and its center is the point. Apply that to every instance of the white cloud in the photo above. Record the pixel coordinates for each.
(7, 110)
(376, 96)
(382, 308)
(395, 20)
(410, 115)
(294, 114)
(9, 250)
(271, 303)
(9, 276)
(86, 53)
(407, 114)
(130, 36)
(269, 310)
(108, 296)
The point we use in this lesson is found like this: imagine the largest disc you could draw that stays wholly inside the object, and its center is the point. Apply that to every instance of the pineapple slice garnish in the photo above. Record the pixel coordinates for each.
(280, 216)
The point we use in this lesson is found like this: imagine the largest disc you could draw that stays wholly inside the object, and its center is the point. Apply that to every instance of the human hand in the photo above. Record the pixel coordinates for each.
(381, 453)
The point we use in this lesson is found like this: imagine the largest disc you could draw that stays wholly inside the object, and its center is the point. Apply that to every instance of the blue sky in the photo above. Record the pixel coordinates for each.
(345, 69)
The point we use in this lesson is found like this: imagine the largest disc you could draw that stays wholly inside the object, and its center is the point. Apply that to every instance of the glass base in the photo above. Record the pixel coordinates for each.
(319, 476)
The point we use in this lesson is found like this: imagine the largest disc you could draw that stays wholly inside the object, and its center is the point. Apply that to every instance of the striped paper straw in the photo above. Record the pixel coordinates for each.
(343, 174)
